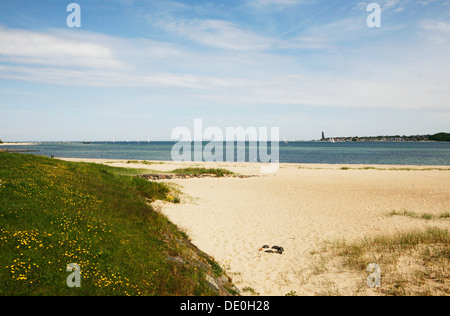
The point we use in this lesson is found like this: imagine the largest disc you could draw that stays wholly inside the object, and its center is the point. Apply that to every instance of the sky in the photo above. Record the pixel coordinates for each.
(139, 69)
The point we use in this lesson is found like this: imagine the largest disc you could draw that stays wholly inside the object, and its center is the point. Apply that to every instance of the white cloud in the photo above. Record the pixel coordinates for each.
(330, 35)
(28, 47)
(256, 78)
(230, 36)
(99, 78)
(274, 3)
(394, 5)
(218, 33)
(435, 26)
(438, 32)
(333, 91)
(386, 5)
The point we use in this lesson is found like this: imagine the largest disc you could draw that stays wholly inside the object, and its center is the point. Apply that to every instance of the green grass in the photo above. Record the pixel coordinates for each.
(200, 171)
(53, 213)
(426, 216)
(127, 171)
(445, 215)
(143, 162)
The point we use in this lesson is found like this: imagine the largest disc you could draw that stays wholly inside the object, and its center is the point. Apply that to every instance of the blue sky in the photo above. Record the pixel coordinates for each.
(138, 69)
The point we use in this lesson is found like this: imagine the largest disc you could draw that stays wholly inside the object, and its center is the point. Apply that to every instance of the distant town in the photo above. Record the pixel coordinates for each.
(440, 137)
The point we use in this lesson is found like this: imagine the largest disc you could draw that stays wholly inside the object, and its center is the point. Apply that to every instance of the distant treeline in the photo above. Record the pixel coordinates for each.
(440, 137)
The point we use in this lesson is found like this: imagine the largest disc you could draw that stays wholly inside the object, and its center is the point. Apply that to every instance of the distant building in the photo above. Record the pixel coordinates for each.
(323, 136)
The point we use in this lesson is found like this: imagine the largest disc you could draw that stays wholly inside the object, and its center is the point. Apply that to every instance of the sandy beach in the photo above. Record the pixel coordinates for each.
(18, 144)
(298, 208)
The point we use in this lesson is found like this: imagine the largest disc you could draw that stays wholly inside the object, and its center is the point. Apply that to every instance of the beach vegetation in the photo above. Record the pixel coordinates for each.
(144, 162)
(202, 171)
(444, 215)
(54, 213)
(426, 216)
(252, 291)
(119, 171)
(413, 263)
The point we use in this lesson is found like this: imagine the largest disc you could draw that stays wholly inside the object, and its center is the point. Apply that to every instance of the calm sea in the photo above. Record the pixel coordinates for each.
(395, 153)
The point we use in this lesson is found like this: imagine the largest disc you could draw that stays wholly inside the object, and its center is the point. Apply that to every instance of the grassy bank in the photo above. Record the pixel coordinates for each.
(54, 213)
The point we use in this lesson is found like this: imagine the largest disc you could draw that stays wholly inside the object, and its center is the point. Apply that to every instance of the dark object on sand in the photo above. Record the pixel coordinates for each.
(277, 249)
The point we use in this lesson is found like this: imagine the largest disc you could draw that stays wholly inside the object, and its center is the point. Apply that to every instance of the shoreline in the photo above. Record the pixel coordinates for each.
(19, 144)
(16, 150)
(220, 164)
(299, 208)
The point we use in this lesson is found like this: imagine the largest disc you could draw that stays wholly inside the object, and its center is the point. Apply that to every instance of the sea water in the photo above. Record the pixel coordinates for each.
(386, 153)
